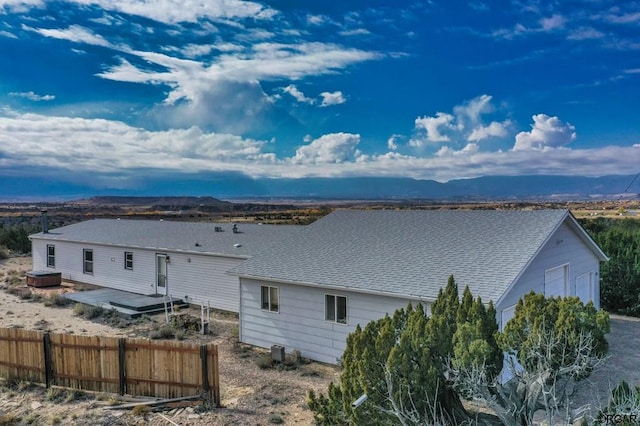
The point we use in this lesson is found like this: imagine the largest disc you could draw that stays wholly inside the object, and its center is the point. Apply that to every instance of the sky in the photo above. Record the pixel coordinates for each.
(111, 93)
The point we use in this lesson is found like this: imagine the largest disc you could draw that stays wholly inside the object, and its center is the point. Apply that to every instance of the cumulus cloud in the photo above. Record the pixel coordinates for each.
(32, 96)
(107, 148)
(330, 148)
(471, 111)
(546, 132)
(298, 95)
(392, 142)
(332, 98)
(494, 129)
(435, 128)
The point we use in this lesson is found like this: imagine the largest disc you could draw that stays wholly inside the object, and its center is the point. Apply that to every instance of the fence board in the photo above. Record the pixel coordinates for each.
(138, 367)
(22, 354)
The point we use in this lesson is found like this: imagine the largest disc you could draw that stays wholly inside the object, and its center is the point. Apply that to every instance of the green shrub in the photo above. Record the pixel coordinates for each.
(264, 361)
(275, 419)
(88, 311)
(57, 299)
(55, 395)
(4, 252)
(165, 331)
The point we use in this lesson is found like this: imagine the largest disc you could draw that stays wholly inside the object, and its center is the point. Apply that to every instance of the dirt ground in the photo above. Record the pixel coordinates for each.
(250, 395)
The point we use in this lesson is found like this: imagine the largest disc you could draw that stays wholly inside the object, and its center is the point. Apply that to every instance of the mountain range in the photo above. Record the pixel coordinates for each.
(353, 188)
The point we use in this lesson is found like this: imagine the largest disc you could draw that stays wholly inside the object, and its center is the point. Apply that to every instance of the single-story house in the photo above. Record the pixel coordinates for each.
(351, 267)
(307, 287)
(187, 260)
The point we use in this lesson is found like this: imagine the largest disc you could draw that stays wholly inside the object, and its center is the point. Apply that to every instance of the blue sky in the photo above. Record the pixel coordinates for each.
(113, 92)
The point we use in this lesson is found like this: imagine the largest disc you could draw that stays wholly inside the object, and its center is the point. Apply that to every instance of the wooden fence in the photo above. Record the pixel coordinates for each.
(138, 367)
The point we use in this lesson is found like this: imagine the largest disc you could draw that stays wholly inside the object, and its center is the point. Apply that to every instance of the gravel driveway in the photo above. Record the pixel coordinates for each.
(623, 363)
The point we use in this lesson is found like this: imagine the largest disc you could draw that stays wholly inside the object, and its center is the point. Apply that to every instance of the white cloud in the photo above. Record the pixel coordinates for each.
(103, 146)
(585, 33)
(332, 98)
(32, 96)
(392, 142)
(75, 33)
(330, 148)
(552, 23)
(495, 129)
(355, 32)
(298, 95)
(472, 111)
(172, 12)
(7, 34)
(265, 61)
(546, 132)
(106, 148)
(434, 128)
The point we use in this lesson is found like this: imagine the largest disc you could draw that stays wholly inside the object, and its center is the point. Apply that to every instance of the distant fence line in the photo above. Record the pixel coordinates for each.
(137, 367)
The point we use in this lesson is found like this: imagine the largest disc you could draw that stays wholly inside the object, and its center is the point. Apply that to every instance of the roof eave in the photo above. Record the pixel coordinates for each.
(334, 287)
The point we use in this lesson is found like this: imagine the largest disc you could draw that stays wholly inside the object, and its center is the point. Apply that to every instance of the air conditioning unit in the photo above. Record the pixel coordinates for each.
(277, 353)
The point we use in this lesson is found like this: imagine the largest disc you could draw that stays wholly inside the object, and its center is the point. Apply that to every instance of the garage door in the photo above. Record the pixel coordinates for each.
(555, 281)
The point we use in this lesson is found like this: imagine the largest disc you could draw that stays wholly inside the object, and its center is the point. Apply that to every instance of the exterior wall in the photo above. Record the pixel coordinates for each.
(300, 323)
(201, 278)
(565, 247)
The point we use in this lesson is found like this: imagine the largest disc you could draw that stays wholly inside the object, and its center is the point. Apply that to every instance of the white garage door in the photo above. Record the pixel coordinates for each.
(584, 287)
(555, 281)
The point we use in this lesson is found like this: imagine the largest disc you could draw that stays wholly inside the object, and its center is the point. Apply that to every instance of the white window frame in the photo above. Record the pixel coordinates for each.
(51, 256)
(266, 303)
(87, 265)
(333, 316)
(128, 260)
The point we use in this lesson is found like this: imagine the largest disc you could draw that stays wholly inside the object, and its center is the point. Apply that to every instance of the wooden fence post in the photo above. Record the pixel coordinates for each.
(204, 358)
(122, 374)
(48, 366)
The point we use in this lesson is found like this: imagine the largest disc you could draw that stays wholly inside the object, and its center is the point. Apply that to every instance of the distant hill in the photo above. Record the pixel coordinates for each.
(188, 192)
(115, 200)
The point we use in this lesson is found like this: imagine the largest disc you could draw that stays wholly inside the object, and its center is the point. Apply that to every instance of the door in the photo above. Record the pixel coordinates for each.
(161, 274)
(584, 286)
(555, 281)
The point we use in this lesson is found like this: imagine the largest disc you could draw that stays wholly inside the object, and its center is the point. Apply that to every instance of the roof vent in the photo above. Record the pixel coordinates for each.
(218, 228)
(235, 228)
(236, 245)
(197, 243)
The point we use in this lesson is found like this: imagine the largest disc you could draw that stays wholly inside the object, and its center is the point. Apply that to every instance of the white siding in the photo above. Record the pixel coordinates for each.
(201, 278)
(564, 247)
(301, 324)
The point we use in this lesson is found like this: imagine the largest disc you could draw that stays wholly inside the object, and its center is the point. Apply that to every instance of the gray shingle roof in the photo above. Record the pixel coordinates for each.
(173, 235)
(409, 253)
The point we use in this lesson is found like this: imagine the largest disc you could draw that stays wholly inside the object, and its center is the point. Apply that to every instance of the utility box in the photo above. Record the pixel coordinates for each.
(277, 353)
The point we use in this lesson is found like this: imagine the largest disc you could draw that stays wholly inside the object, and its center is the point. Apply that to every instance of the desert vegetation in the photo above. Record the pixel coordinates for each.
(416, 369)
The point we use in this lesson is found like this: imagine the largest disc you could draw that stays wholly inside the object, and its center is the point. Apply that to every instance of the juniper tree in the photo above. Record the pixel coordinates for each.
(400, 361)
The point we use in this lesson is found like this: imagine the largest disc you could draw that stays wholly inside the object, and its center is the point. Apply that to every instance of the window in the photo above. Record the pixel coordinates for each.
(270, 299)
(128, 260)
(87, 261)
(51, 256)
(335, 308)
